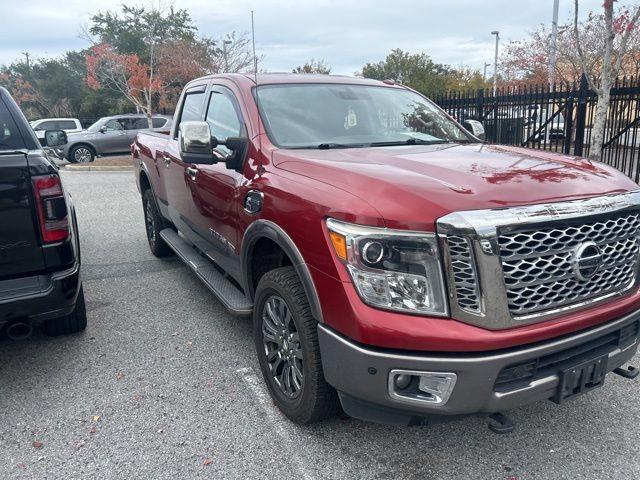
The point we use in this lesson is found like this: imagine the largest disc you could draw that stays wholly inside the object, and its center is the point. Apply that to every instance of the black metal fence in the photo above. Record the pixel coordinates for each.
(558, 119)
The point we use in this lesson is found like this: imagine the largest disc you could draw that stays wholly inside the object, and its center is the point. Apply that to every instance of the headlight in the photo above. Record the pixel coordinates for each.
(392, 269)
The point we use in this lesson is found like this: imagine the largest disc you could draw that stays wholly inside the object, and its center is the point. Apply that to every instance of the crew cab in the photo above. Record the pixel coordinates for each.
(40, 283)
(391, 260)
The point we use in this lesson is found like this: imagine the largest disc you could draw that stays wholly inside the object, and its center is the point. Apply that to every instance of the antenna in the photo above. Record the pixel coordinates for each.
(255, 79)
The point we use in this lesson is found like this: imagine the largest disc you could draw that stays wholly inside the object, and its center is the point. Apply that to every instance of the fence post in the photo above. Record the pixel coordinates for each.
(581, 116)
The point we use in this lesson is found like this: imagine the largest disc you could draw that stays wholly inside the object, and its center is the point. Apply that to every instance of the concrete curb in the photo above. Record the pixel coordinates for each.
(98, 168)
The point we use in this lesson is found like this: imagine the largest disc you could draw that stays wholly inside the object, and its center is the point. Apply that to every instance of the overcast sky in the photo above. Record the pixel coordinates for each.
(345, 33)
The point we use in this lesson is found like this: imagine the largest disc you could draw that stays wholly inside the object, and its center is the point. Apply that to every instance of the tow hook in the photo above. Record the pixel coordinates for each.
(499, 423)
(629, 372)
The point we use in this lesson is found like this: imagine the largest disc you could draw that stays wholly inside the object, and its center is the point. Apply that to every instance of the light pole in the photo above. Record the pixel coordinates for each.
(495, 62)
(224, 53)
(554, 42)
(484, 75)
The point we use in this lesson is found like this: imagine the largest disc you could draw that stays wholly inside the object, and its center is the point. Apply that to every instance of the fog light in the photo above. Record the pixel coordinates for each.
(403, 381)
(432, 388)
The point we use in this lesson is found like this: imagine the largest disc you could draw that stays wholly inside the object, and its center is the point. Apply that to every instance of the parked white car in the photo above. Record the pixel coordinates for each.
(69, 125)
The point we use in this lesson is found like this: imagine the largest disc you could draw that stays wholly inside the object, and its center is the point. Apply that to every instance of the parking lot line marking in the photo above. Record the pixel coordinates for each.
(280, 423)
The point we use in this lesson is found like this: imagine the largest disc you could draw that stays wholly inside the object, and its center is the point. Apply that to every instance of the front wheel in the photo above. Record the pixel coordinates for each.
(288, 352)
(81, 154)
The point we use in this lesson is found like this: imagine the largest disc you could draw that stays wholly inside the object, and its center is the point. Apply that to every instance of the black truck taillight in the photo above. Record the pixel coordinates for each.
(52, 208)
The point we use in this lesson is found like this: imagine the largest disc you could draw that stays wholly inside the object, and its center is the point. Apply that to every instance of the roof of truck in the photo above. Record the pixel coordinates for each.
(279, 78)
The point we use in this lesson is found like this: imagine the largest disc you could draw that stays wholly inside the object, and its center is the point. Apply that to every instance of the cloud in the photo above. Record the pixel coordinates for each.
(346, 34)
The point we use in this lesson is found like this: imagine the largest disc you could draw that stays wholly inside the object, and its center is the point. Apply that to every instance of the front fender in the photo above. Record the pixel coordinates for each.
(268, 229)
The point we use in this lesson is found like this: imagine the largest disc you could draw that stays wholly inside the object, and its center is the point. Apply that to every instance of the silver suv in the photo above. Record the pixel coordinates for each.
(109, 136)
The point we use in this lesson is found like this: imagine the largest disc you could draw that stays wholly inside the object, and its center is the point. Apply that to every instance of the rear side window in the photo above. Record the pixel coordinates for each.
(66, 125)
(192, 107)
(139, 124)
(159, 122)
(10, 137)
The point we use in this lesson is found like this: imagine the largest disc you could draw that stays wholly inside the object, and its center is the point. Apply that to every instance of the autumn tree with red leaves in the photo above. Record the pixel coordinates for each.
(126, 74)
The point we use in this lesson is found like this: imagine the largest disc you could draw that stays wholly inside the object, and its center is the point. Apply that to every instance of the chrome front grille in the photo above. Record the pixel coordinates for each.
(462, 265)
(515, 266)
(538, 264)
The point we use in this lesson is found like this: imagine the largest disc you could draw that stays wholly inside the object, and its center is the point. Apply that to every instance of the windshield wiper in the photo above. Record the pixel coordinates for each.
(409, 141)
(328, 145)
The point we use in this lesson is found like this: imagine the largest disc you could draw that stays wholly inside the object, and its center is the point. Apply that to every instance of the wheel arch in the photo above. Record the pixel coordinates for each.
(265, 229)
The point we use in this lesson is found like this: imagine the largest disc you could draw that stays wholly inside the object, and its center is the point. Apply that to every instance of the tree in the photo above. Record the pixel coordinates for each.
(124, 73)
(236, 54)
(526, 62)
(313, 66)
(614, 43)
(417, 71)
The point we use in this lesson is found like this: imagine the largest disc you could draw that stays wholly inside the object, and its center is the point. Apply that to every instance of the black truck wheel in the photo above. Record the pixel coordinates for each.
(154, 223)
(75, 322)
(288, 352)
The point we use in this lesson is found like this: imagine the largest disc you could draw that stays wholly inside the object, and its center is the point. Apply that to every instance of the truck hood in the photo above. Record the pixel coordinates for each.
(412, 186)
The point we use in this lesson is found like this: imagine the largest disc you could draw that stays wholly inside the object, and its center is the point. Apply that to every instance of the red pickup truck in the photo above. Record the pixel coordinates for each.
(390, 259)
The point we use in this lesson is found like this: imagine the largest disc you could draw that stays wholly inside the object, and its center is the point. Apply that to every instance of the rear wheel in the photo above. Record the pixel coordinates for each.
(81, 154)
(288, 352)
(75, 322)
(154, 224)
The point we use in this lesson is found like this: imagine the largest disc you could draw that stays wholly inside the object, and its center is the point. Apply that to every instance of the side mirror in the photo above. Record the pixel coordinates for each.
(103, 129)
(196, 144)
(475, 127)
(239, 146)
(55, 138)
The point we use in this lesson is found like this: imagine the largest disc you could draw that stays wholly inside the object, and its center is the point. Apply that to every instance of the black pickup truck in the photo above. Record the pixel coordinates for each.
(40, 281)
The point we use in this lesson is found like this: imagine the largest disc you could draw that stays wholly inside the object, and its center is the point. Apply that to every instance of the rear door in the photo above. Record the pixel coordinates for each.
(20, 251)
(176, 179)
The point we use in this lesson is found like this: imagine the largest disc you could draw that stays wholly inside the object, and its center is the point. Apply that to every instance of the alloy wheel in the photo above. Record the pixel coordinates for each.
(282, 346)
(149, 222)
(82, 155)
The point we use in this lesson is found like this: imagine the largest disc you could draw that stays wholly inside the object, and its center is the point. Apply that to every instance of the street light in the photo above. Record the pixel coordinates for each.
(484, 74)
(554, 43)
(495, 62)
(224, 53)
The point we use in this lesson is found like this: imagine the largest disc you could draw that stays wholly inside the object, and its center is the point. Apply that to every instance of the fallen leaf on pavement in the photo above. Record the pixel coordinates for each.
(38, 445)
(93, 429)
(119, 376)
(96, 418)
(207, 462)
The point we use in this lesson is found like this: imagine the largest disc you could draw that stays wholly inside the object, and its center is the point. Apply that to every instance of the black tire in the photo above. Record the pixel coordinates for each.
(154, 224)
(315, 399)
(81, 154)
(75, 322)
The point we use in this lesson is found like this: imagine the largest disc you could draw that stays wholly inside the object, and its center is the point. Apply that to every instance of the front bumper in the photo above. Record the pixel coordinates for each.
(361, 374)
(41, 297)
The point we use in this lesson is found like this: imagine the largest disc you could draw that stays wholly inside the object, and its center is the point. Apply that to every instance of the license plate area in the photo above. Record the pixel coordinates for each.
(581, 378)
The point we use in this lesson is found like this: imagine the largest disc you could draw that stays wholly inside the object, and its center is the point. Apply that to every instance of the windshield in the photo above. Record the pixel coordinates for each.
(335, 116)
(96, 126)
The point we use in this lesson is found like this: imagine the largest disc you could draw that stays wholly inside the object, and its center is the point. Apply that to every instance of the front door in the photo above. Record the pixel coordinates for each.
(111, 139)
(216, 188)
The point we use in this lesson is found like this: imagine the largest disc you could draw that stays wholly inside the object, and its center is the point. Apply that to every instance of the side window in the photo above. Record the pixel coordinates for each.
(159, 122)
(66, 125)
(47, 126)
(192, 107)
(10, 137)
(114, 124)
(139, 124)
(223, 117)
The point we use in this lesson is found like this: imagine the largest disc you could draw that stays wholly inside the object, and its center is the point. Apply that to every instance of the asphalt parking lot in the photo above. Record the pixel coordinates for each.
(162, 385)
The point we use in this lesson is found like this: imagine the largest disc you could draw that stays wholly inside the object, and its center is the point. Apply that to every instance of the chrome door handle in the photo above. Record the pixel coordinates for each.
(167, 161)
(192, 172)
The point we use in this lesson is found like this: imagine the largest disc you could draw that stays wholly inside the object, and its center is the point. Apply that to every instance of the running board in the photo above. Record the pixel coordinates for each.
(224, 289)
